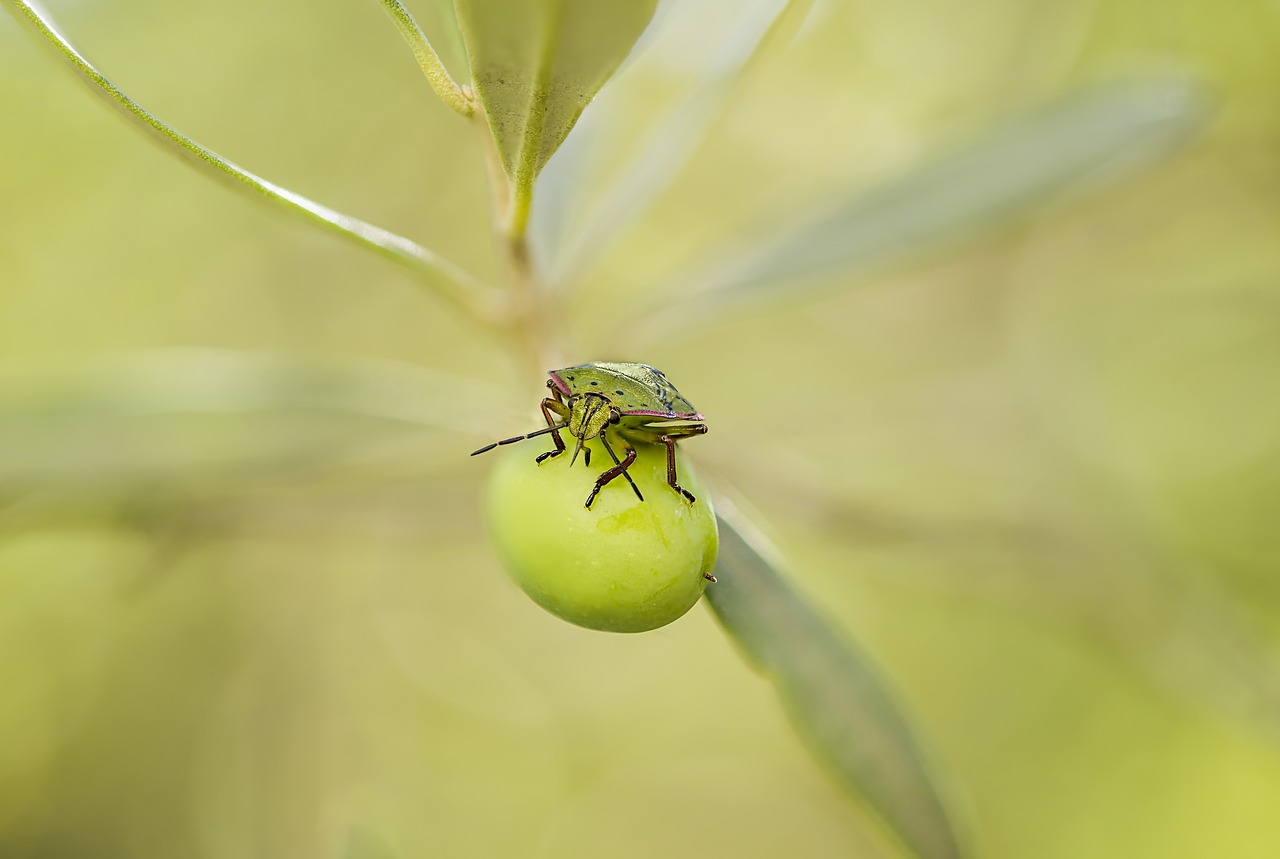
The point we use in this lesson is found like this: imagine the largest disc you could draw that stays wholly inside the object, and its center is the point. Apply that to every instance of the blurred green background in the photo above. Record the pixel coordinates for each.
(1038, 477)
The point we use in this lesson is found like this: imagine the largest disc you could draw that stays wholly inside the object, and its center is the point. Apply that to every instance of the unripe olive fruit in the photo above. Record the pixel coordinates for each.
(624, 565)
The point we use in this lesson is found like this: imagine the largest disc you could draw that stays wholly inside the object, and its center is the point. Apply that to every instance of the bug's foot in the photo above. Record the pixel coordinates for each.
(545, 456)
(586, 457)
(680, 490)
(709, 578)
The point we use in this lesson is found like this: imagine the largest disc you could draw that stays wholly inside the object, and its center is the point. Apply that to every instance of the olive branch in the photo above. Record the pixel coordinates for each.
(533, 71)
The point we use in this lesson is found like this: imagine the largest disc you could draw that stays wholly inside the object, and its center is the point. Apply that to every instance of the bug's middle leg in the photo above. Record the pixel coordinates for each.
(671, 468)
(618, 468)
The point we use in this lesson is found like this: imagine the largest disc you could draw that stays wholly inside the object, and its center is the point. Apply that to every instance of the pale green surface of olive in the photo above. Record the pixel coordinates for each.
(624, 565)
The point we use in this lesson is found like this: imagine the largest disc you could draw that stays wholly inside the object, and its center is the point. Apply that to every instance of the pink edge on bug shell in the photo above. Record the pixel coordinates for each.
(675, 415)
(564, 389)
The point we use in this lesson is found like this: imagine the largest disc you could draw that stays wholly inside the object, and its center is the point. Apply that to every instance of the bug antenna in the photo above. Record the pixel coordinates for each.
(513, 439)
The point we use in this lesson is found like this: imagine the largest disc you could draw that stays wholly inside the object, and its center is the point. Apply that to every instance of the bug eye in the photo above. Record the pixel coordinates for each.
(614, 417)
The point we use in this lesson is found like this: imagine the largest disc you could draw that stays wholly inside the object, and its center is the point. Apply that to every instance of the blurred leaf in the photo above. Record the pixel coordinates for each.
(1081, 143)
(428, 60)
(535, 65)
(833, 693)
(1182, 629)
(437, 273)
(100, 424)
(670, 144)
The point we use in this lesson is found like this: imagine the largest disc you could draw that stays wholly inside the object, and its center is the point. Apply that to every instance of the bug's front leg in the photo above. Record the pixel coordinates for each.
(557, 407)
(671, 468)
(618, 468)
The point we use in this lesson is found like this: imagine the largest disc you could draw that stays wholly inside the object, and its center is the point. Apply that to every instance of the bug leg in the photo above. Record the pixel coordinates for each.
(548, 406)
(671, 468)
(631, 454)
(618, 468)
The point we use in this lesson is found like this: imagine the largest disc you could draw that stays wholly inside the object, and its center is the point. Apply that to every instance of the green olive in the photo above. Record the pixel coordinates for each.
(624, 565)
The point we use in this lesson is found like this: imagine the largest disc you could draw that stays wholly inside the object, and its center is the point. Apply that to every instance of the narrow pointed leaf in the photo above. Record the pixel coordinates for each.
(114, 422)
(435, 272)
(832, 692)
(535, 65)
(1081, 143)
(674, 139)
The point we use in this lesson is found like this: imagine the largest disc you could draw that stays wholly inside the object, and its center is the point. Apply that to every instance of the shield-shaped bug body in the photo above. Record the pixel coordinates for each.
(625, 403)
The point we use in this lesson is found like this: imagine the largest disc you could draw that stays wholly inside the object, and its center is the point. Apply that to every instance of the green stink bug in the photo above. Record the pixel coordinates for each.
(633, 403)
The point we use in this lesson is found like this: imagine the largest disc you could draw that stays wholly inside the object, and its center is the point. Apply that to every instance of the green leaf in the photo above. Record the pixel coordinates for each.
(831, 690)
(1081, 143)
(434, 271)
(535, 65)
(673, 140)
(162, 415)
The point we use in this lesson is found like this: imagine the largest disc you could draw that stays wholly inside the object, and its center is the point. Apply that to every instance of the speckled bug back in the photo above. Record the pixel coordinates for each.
(634, 389)
(631, 405)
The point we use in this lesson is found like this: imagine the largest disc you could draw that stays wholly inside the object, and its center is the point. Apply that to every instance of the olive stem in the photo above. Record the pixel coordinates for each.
(529, 314)
(460, 98)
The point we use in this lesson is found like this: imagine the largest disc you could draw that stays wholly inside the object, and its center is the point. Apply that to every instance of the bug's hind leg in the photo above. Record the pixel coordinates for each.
(671, 468)
(618, 468)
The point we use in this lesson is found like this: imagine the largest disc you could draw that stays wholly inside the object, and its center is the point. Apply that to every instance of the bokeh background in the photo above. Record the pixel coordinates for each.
(247, 608)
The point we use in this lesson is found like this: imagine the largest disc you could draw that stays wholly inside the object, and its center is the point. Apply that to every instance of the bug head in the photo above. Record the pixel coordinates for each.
(590, 415)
